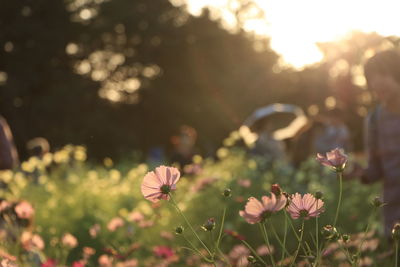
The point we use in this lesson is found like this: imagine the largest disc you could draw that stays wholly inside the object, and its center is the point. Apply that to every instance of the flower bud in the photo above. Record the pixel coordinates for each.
(329, 232)
(345, 238)
(396, 232)
(276, 190)
(318, 195)
(227, 192)
(209, 225)
(179, 230)
(251, 259)
(377, 203)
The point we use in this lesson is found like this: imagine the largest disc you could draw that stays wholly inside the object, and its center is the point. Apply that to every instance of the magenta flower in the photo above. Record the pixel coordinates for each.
(335, 159)
(256, 211)
(159, 183)
(163, 252)
(305, 207)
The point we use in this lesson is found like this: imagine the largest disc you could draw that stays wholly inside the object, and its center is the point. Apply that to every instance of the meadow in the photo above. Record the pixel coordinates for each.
(75, 213)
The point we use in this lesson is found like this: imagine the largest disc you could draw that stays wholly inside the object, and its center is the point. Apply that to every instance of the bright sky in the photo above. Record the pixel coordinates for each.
(296, 25)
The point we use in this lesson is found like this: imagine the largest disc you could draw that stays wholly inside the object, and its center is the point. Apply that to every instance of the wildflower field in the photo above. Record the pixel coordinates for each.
(233, 210)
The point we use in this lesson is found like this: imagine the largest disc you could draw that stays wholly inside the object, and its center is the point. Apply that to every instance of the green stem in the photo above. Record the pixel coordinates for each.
(284, 250)
(298, 246)
(253, 251)
(265, 235)
(365, 233)
(316, 237)
(221, 227)
(223, 257)
(188, 223)
(295, 233)
(284, 238)
(340, 177)
(396, 252)
(195, 249)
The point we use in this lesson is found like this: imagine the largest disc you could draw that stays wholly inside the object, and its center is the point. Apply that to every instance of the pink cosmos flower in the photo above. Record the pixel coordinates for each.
(159, 183)
(335, 159)
(49, 263)
(105, 261)
(135, 216)
(163, 252)
(78, 264)
(115, 223)
(31, 241)
(256, 211)
(94, 230)
(4, 205)
(69, 240)
(24, 210)
(305, 207)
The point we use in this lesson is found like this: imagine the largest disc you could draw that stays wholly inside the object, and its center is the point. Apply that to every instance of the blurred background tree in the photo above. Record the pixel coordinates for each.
(123, 76)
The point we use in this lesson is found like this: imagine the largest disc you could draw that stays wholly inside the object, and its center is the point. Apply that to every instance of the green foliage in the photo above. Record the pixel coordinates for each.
(70, 196)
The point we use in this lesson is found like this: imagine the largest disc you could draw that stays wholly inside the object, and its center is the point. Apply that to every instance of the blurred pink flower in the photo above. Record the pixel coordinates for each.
(246, 183)
(88, 251)
(49, 263)
(105, 261)
(78, 264)
(8, 263)
(31, 241)
(131, 263)
(163, 252)
(238, 255)
(115, 223)
(24, 210)
(234, 234)
(94, 230)
(69, 240)
(335, 159)
(4, 205)
(166, 235)
(135, 216)
(265, 250)
(305, 207)
(256, 211)
(159, 183)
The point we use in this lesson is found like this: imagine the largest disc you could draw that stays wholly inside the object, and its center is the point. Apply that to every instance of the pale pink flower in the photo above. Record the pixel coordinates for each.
(105, 261)
(163, 252)
(305, 207)
(69, 240)
(4, 205)
(246, 183)
(31, 241)
(256, 211)
(335, 159)
(130, 263)
(135, 216)
(265, 250)
(159, 183)
(94, 230)
(24, 210)
(115, 223)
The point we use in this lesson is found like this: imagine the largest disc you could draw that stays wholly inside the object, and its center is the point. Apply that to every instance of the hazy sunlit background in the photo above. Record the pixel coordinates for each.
(304, 23)
(123, 76)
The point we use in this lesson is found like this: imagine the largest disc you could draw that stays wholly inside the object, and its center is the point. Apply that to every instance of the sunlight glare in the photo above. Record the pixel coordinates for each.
(296, 26)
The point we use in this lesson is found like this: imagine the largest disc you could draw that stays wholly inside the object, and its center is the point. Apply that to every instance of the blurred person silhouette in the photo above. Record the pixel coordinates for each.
(266, 145)
(8, 152)
(382, 131)
(184, 146)
(323, 133)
